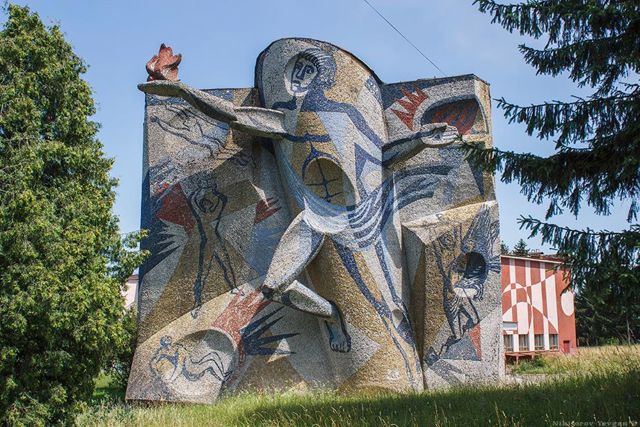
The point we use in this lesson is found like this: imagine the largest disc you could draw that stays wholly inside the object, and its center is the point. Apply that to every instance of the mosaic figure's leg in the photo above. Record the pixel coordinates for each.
(298, 247)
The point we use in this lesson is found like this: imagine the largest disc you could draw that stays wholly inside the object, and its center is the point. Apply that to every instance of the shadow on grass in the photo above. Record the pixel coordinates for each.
(596, 398)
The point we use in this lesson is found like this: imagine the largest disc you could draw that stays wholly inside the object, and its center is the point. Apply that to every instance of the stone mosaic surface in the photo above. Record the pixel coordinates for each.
(321, 230)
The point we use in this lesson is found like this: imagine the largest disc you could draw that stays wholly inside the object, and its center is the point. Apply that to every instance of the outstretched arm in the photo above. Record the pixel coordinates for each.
(254, 120)
(432, 135)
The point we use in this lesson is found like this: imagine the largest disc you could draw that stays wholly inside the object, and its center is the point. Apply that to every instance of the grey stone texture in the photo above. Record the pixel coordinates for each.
(321, 230)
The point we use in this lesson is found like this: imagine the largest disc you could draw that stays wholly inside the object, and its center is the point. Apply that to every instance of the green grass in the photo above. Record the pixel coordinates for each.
(538, 365)
(596, 386)
(106, 391)
(588, 359)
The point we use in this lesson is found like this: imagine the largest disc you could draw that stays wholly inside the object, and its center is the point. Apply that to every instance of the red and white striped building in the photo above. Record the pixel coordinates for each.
(537, 306)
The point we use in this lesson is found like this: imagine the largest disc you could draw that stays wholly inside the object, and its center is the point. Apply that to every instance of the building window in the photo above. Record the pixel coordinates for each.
(539, 341)
(508, 342)
(553, 341)
(509, 326)
(523, 342)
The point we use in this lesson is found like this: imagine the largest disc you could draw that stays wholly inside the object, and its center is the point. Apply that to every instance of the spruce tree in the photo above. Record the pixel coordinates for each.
(596, 162)
(62, 259)
(608, 314)
(520, 248)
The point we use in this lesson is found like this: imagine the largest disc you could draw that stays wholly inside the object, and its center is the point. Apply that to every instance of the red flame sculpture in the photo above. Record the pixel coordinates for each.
(164, 65)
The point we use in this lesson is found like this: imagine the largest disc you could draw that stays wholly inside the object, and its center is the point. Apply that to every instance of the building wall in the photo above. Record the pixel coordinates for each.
(536, 300)
(130, 291)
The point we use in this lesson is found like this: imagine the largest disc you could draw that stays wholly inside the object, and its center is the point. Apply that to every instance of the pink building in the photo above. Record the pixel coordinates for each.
(537, 307)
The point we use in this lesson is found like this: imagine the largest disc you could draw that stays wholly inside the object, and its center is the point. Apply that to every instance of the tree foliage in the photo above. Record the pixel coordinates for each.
(520, 248)
(609, 314)
(597, 138)
(62, 259)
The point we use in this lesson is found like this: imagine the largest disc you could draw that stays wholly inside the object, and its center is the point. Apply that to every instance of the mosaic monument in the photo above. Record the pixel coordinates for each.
(321, 230)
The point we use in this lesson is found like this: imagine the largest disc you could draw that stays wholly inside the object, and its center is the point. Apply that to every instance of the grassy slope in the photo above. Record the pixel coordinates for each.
(588, 359)
(598, 385)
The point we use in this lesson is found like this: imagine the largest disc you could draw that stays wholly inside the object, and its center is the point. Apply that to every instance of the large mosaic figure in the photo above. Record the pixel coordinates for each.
(321, 230)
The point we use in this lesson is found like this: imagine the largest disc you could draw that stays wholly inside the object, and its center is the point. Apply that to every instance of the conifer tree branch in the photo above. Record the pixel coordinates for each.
(563, 177)
(561, 19)
(589, 61)
(591, 254)
(578, 120)
(587, 246)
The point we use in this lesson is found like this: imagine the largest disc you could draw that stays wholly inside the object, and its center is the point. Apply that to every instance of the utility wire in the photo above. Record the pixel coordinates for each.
(403, 36)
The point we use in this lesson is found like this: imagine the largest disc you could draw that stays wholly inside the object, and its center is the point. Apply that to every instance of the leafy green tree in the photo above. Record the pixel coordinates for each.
(119, 366)
(597, 138)
(520, 248)
(62, 259)
(504, 248)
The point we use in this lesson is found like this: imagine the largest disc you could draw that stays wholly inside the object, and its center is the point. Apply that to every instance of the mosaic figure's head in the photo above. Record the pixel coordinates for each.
(311, 67)
(165, 341)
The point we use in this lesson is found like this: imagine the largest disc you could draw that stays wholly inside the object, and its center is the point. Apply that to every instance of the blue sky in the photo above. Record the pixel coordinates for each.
(220, 40)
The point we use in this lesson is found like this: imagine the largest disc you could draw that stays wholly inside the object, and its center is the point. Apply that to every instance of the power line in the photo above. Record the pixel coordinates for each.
(403, 36)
